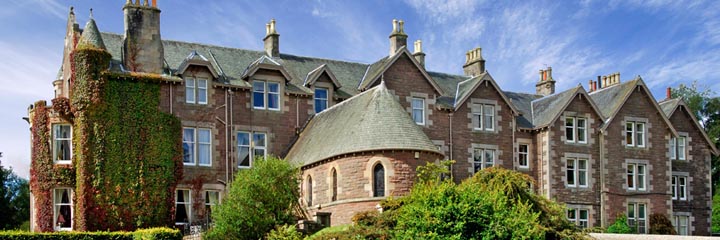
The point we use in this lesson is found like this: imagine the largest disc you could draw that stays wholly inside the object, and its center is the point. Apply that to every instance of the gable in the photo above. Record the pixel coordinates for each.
(639, 99)
(681, 113)
(397, 65)
(470, 87)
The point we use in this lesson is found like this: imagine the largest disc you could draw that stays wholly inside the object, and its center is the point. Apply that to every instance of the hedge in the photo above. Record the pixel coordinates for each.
(143, 234)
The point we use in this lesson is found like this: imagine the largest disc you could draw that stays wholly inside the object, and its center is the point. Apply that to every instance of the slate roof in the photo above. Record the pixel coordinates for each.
(671, 105)
(610, 99)
(91, 36)
(372, 120)
(523, 103)
(545, 109)
(668, 106)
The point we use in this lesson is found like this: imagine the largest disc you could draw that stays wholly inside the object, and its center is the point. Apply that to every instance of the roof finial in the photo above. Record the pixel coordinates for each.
(91, 14)
(72, 10)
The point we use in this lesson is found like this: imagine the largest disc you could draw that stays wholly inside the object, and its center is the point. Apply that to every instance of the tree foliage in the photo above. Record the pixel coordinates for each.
(620, 225)
(14, 199)
(660, 224)
(259, 200)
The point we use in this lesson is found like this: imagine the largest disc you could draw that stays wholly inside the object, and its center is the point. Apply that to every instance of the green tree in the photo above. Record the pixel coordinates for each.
(14, 200)
(620, 225)
(259, 200)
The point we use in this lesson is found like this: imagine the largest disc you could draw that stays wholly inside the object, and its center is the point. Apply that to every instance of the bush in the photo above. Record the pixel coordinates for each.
(620, 225)
(261, 198)
(143, 234)
(284, 232)
(660, 224)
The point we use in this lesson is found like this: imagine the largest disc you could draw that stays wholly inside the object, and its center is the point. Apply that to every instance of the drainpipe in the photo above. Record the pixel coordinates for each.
(227, 140)
(450, 115)
(171, 98)
(603, 218)
(514, 143)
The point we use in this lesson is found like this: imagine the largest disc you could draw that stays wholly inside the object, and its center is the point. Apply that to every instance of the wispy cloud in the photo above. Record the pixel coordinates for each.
(47, 7)
(28, 72)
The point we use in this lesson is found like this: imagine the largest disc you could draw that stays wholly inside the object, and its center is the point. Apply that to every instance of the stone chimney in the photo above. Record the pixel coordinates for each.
(398, 38)
(419, 54)
(590, 85)
(272, 40)
(474, 62)
(142, 45)
(610, 79)
(546, 85)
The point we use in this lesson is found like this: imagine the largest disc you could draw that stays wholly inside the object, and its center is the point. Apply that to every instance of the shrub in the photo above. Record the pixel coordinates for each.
(261, 198)
(143, 234)
(660, 224)
(620, 225)
(284, 232)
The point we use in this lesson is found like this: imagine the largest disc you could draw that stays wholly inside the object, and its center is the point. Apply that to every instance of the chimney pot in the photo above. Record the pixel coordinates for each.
(145, 3)
(418, 46)
(669, 93)
(154, 3)
(590, 85)
(402, 28)
(395, 26)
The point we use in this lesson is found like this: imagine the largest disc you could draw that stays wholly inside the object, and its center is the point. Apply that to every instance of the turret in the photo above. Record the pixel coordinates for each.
(142, 45)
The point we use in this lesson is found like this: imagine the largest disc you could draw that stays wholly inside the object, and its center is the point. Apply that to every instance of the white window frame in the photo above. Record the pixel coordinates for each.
(421, 110)
(576, 171)
(524, 156)
(57, 204)
(251, 147)
(482, 116)
(678, 224)
(327, 95)
(195, 145)
(267, 94)
(636, 217)
(186, 202)
(679, 188)
(637, 131)
(678, 148)
(195, 90)
(56, 145)
(639, 178)
(574, 128)
(483, 158)
(576, 217)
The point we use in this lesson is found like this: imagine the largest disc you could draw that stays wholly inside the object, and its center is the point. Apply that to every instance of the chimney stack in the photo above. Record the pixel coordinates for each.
(668, 93)
(142, 45)
(272, 40)
(590, 85)
(546, 85)
(611, 79)
(419, 54)
(398, 38)
(474, 62)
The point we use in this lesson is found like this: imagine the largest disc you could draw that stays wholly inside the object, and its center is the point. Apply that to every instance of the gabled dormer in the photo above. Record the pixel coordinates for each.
(198, 74)
(376, 71)
(466, 88)
(324, 86)
(317, 73)
(196, 59)
(269, 80)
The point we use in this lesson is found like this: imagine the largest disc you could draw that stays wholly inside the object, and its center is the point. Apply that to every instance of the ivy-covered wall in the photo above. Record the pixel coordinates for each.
(127, 154)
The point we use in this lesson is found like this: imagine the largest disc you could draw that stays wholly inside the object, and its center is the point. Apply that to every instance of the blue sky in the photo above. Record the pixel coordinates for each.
(666, 42)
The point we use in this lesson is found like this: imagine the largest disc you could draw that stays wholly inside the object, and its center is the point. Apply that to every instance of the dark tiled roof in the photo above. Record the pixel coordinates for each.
(523, 103)
(668, 106)
(372, 120)
(91, 36)
(545, 109)
(610, 99)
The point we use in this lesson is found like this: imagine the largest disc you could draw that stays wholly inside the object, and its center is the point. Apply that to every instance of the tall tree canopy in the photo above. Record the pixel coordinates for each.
(14, 199)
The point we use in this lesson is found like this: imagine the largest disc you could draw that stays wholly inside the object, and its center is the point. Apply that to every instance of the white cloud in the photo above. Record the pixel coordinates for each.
(28, 72)
(703, 67)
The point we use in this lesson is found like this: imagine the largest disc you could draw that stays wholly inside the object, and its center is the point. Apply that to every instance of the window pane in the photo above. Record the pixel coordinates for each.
(273, 87)
(202, 91)
(641, 176)
(631, 176)
(681, 148)
(243, 139)
(640, 134)
(570, 129)
(204, 135)
(418, 116)
(681, 190)
(674, 187)
(259, 153)
(570, 172)
(259, 139)
(273, 101)
(489, 158)
(244, 157)
(189, 145)
(259, 94)
(477, 159)
(320, 105)
(582, 172)
(204, 153)
(631, 211)
(581, 130)
(378, 181)
(63, 208)
(571, 214)
(182, 206)
(190, 90)
(629, 130)
(417, 103)
(523, 155)
(321, 93)
(673, 149)
(489, 111)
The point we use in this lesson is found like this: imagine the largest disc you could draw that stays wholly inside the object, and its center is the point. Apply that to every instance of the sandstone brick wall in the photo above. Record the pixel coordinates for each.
(654, 154)
(697, 168)
(581, 197)
(354, 181)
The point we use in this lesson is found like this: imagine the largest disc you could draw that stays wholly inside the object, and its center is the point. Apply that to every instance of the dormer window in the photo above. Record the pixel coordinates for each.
(321, 99)
(196, 90)
(266, 95)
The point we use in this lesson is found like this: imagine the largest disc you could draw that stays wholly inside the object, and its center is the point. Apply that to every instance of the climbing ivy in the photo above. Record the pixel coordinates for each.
(127, 153)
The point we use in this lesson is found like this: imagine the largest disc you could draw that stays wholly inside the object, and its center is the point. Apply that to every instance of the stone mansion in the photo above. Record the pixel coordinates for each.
(358, 131)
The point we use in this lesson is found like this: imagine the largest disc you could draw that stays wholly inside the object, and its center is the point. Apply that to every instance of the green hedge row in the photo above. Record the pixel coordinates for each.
(143, 234)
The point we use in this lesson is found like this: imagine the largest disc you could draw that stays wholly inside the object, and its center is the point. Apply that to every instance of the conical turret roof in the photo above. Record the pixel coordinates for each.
(90, 37)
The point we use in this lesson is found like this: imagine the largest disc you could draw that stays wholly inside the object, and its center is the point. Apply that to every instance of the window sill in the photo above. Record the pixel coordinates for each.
(64, 162)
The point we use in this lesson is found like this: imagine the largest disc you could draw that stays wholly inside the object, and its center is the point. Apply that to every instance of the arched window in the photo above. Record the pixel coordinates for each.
(309, 191)
(334, 184)
(378, 181)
